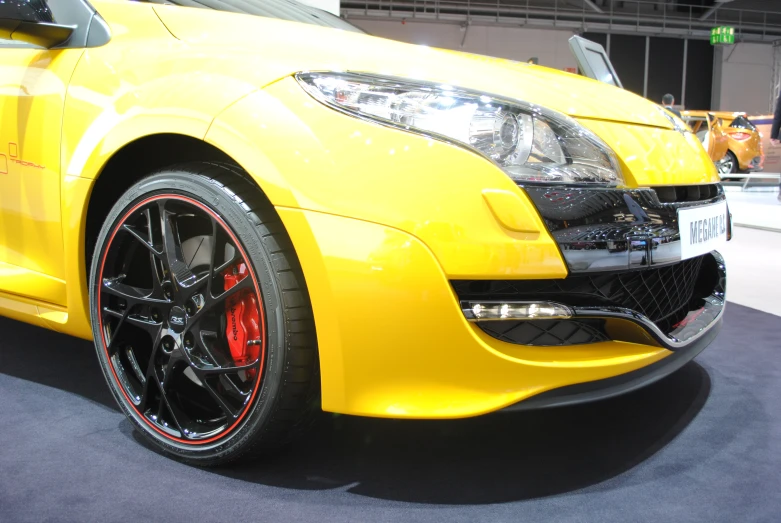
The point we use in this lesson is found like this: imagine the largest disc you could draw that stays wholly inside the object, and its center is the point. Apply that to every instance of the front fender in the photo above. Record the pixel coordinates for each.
(118, 94)
(473, 217)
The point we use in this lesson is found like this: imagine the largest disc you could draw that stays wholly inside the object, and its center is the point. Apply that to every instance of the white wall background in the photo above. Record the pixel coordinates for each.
(549, 45)
(746, 78)
(742, 79)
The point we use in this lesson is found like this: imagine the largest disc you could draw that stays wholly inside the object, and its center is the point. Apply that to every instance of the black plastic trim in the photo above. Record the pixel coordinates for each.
(88, 28)
(75, 13)
(617, 385)
(99, 33)
(602, 229)
(547, 333)
(38, 34)
(675, 330)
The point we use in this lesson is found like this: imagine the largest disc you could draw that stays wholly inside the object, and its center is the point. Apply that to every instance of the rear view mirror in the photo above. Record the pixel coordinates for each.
(31, 21)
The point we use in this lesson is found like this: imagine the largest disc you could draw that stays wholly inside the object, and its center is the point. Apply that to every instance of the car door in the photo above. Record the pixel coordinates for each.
(33, 83)
(718, 141)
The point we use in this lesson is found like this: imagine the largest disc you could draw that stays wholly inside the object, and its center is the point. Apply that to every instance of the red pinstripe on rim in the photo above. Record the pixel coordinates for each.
(257, 293)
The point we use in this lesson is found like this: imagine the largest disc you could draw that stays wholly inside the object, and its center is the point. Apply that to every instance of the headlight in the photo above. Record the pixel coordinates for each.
(531, 143)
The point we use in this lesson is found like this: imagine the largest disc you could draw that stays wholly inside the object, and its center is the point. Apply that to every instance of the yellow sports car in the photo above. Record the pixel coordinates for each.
(257, 211)
(743, 144)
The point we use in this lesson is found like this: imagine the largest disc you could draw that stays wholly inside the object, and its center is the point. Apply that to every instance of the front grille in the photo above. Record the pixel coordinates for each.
(658, 293)
(547, 332)
(687, 193)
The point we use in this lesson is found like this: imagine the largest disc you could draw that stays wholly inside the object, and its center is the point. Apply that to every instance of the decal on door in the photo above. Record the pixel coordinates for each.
(13, 157)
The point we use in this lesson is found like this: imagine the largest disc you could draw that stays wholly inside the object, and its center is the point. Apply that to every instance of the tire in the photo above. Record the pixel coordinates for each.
(202, 388)
(727, 165)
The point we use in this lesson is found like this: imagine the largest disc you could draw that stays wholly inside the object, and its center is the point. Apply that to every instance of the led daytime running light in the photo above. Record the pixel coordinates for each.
(494, 310)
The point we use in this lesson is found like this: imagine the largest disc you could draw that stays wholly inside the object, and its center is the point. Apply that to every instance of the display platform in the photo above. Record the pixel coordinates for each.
(704, 444)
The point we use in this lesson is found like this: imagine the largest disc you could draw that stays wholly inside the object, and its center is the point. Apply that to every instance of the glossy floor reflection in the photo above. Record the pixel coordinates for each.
(701, 445)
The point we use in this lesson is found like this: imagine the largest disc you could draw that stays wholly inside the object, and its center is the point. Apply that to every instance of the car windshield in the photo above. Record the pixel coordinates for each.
(280, 9)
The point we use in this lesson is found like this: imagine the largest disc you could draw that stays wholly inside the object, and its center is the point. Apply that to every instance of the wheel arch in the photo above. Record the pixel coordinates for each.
(133, 161)
(739, 167)
(129, 163)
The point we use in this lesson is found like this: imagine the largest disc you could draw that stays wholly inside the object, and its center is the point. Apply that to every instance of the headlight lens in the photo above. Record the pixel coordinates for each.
(531, 143)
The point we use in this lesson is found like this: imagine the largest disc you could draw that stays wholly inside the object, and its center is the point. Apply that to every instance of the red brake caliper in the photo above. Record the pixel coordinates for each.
(242, 313)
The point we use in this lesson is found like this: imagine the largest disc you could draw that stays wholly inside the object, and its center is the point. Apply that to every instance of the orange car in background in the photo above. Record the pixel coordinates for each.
(708, 129)
(771, 155)
(744, 145)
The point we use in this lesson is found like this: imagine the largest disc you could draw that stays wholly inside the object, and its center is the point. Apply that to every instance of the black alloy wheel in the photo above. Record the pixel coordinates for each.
(192, 320)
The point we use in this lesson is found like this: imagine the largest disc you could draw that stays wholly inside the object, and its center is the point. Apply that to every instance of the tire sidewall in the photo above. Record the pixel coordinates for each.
(236, 216)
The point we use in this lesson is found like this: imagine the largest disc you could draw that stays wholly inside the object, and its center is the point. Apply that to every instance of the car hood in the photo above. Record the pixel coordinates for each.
(285, 48)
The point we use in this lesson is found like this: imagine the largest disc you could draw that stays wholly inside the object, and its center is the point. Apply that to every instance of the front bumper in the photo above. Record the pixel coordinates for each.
(756, 164)
(624, 254)
(672, 306)
(622, 384)
(383, 221)
(394, 341)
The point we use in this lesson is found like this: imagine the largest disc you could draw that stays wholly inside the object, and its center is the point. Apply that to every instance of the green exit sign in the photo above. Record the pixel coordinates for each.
(722, 35)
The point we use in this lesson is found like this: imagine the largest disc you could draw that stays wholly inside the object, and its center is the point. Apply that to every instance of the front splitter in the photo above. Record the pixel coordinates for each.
(621, 384)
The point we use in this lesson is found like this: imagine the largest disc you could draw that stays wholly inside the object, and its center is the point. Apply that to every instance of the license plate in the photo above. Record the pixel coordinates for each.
(703, 229)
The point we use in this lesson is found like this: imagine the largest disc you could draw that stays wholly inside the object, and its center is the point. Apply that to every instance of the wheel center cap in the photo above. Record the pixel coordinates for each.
(177, 319)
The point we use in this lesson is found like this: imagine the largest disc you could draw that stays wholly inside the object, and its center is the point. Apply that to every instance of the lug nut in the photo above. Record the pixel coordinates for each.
(168, 344)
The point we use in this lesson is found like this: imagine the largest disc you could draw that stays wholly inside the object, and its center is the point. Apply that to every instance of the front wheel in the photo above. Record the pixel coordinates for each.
(201, 317)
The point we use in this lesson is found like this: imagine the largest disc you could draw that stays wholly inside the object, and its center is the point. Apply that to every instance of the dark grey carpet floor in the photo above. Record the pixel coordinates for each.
(702, 445)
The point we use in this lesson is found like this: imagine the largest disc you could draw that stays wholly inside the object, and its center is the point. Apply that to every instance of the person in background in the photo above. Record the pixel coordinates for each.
(667, 101)
(774, 138)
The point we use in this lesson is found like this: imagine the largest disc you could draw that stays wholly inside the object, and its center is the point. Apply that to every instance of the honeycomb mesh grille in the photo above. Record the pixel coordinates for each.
(656, 293)
(546, 332)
